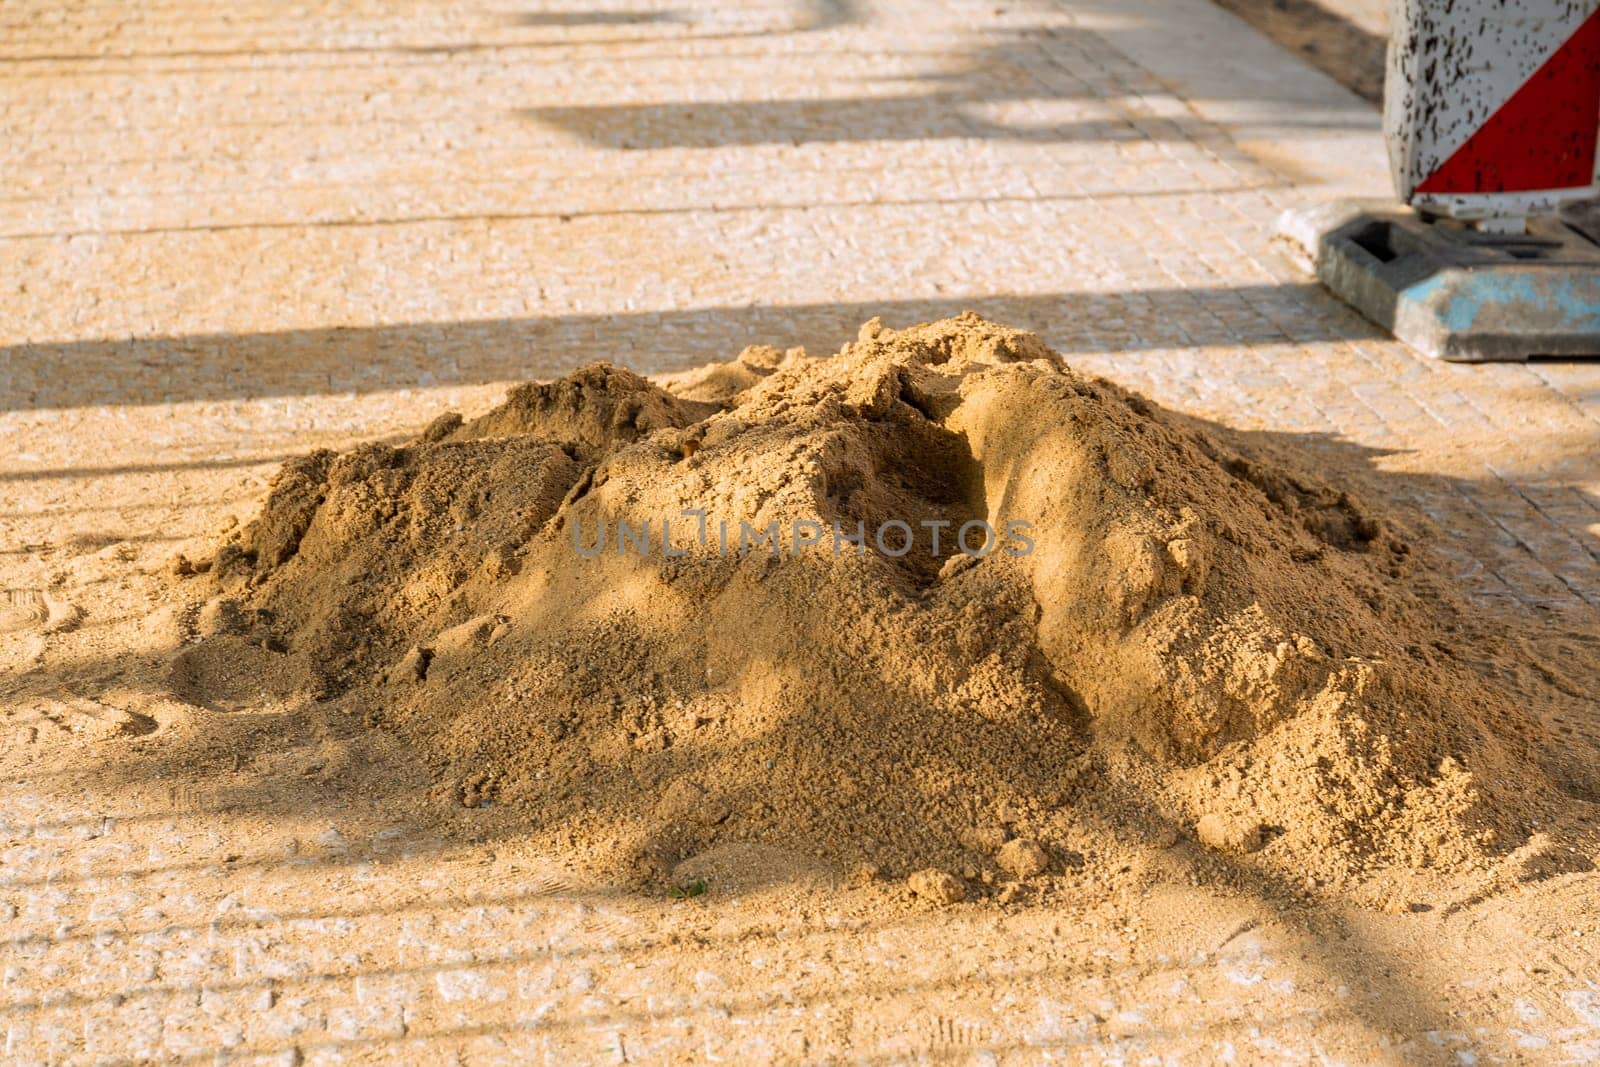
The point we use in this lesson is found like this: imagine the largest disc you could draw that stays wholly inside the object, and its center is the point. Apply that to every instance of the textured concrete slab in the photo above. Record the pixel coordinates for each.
(1452, 292)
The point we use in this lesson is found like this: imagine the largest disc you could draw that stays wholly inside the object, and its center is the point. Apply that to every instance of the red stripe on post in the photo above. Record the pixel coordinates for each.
(1541, 138)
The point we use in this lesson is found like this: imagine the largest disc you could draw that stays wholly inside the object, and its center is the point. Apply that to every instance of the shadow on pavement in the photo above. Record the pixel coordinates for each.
(161, 370)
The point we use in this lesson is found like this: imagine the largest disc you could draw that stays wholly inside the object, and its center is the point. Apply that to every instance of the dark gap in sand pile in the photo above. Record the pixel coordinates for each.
(1208, 631)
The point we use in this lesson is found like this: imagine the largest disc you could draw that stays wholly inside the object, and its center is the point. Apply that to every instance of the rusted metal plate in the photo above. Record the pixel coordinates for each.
(1492, 107)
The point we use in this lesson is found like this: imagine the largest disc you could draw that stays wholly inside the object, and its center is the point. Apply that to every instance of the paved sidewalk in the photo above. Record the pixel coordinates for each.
(234, 232)
(269, 221)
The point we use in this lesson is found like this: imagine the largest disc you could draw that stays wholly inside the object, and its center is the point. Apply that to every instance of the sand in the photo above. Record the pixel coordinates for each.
(1172, 633)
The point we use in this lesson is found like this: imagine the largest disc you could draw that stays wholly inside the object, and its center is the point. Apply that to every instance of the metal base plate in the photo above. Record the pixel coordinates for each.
(1449, 291)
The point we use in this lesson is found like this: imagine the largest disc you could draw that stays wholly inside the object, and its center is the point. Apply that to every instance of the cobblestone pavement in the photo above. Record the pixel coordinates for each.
(233, 232)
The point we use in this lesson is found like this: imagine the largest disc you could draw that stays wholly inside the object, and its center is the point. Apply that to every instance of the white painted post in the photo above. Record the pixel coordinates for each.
(1492, 107)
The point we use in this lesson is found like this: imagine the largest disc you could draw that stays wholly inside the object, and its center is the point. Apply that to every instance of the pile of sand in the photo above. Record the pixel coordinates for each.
(1203, 641)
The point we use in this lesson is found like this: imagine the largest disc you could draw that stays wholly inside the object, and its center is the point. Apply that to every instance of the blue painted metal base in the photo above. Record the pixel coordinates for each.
(1453, 292)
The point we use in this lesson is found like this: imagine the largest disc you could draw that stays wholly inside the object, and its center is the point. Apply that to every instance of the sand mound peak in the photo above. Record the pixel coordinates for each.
(863, 606)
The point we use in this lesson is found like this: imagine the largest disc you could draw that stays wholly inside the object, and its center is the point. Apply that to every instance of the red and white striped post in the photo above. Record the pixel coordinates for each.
(1492, 107)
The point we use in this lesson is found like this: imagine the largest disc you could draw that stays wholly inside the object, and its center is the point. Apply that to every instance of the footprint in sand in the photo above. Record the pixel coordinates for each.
(58, 718)
(27, 616)
(30, 610)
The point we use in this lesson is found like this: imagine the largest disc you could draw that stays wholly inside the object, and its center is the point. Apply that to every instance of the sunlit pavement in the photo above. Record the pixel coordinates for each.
(233, 232)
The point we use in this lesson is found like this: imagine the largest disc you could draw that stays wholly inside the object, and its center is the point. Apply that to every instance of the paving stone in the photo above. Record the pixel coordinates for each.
(231, 234)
